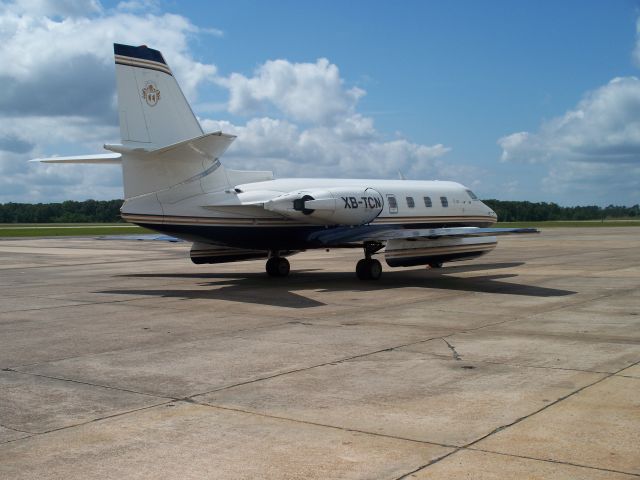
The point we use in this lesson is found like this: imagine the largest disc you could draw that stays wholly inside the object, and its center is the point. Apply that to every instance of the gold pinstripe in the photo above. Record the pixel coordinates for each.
(258, 222)
(138, 62)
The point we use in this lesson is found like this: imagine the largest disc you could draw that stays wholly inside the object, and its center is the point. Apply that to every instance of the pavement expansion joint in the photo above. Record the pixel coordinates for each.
(427, 465)
(14, 429)
(550, 404)
(469, 446)
(550, 460)
(303, 369)
(323, 425)
(80, 382)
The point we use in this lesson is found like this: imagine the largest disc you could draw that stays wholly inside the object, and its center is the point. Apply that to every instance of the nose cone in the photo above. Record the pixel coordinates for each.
(490, 212)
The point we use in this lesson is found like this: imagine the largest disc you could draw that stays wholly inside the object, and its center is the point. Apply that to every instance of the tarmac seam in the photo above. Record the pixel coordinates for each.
(324, 364)
(515, 422)
(14, 429)
(94, 420)
(316, 424)
(89, 355)
(549, 405)
(70, 380)
(433, 461)
(549, 460)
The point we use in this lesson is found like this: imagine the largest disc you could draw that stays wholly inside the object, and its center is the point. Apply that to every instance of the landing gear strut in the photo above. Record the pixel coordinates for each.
(369, 268)
(278, 266)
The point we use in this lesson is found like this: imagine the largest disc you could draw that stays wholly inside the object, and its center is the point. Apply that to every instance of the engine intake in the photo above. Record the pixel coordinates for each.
(335, 206)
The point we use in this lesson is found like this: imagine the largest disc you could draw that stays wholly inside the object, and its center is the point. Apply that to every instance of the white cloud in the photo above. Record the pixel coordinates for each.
(307, 92)
(603, 128)
(59, 90)
(590, 150)
(78, 50)
(331, 151)
(54, 8)
(319, 132)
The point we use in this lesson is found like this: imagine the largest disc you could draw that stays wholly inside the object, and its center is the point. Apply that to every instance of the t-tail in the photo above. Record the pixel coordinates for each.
(164, 153)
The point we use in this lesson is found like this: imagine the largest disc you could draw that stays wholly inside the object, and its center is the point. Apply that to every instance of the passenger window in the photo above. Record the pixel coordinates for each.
(410, 202)
(444, 201)
(472, 195)
(427, 202)
(393, 204)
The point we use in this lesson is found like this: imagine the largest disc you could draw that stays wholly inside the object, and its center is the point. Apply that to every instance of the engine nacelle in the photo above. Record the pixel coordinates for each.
(334, 206)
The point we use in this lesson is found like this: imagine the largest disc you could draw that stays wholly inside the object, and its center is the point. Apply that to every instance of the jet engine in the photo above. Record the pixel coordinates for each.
(334, 206)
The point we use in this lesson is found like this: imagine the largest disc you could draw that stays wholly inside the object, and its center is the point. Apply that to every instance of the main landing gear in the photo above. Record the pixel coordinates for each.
(369, 268)
(278, 266)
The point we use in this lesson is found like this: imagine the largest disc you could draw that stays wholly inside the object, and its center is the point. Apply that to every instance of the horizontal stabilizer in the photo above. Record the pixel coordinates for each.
(101, 158)
(211, 144)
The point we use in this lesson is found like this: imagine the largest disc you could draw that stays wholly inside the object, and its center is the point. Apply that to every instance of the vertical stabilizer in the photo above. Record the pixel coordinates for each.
(153, 110)
(165, 155)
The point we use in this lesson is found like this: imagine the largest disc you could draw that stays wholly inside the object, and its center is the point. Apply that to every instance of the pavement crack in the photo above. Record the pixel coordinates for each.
(317, 424)
(323, 364)
(14, 429)
(422, 467)
(469, 445)
(549, 405)
(80, 382)
(550, 460)
(456, 355)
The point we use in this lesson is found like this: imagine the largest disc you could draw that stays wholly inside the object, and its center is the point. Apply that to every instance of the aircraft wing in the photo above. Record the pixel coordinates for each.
(379, 233)
(100, 158)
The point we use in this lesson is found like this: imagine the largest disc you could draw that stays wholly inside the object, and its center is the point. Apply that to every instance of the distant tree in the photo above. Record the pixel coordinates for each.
(69, 211)
(515, 211)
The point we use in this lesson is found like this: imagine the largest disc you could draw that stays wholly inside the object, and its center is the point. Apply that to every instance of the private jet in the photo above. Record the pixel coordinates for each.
(175, 184)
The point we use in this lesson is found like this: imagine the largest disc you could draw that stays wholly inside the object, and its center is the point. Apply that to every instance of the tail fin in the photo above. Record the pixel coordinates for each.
(165, 155)
(164, 151)
(153, 110)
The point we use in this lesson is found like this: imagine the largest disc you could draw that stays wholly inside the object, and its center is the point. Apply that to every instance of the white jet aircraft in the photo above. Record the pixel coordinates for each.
(175, 184)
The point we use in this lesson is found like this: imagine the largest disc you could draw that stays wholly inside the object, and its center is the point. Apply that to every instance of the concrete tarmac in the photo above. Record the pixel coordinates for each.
(122, 359)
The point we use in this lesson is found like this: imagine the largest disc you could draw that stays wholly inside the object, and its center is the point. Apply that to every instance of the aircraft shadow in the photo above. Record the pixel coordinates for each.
(259, 289)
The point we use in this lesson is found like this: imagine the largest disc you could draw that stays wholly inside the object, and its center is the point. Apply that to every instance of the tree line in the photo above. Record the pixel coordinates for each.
(517, 211)
(101, 211)
(108, 211)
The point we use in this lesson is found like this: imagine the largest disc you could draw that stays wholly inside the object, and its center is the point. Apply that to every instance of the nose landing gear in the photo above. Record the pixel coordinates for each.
(369, 268)
(278, 266)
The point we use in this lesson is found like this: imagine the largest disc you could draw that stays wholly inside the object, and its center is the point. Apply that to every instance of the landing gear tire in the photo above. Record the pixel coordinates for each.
(436, 265)
(278, 267)
(368, 269)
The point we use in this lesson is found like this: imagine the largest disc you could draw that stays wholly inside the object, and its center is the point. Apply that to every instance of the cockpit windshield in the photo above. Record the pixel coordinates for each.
(472, 195)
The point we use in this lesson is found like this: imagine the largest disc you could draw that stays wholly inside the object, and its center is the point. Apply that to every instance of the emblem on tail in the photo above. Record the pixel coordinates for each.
(151, 94)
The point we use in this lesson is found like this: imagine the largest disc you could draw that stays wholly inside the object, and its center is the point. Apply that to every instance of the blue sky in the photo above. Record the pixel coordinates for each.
(519, 100)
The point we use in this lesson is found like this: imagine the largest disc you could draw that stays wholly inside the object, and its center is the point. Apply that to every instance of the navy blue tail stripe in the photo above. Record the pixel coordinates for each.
(142, 52)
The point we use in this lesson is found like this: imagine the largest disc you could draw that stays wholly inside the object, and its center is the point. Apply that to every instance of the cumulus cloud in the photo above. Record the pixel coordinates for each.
(58, 98)
(53, 8)
(603, 128)
(594, 146)
(325, 150)
(303, 122)
(73, 56)
(58, 89)
(307, 92)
